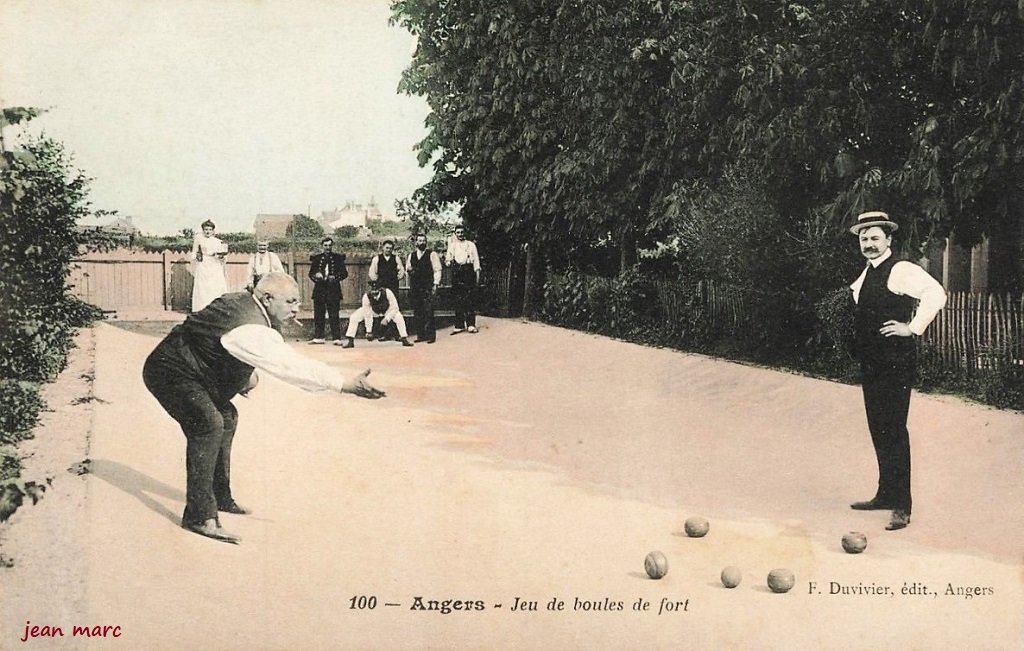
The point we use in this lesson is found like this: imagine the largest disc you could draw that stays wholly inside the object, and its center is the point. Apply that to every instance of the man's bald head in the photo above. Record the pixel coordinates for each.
(275, 283)
(279, 293)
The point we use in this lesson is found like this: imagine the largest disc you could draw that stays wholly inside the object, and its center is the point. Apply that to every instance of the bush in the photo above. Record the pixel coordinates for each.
(20, 404)
(77, 313)
(34, 346)
(830, 350)
(10, 467)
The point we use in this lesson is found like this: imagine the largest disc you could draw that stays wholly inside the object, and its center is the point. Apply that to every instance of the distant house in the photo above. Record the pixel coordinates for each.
(121, 226)
(271, 227)
(351, 214)
(121, 230)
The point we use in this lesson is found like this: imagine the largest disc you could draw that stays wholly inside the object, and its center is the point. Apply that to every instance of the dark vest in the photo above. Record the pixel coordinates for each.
(193, 348)
(378, 302)
(421, 274)
(876, 305)
(387, 272)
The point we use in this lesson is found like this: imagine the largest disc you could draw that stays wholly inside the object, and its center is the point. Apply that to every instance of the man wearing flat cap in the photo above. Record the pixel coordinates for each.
(895, 301)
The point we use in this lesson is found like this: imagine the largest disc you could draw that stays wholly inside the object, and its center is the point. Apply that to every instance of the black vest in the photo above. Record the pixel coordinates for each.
(193, 348)
(876, 305)
(378, 301)
(387, 272)
(421, 273)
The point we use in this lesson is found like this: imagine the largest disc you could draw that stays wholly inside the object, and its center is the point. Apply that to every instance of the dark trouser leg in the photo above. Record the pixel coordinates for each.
(458, 301)
(319, 315)
(463, 282)
(333, 309)
(203, 425)
(222, 471)
(887, 403)
(423, 309)
(469, 298)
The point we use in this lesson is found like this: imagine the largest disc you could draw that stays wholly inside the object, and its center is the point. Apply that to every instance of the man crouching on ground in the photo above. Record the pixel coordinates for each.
(209, 359)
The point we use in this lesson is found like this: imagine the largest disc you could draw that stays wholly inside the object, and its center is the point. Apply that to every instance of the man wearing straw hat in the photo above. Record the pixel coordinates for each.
(885, 323)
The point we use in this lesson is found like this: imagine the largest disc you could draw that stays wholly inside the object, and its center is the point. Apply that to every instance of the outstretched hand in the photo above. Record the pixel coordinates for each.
(360, 386)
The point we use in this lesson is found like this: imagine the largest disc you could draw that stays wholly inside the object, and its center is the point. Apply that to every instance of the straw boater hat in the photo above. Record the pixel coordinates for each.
(873, 218)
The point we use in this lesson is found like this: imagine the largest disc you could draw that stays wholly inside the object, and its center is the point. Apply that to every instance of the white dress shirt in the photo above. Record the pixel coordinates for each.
(262, 347)
(463, 252)
(374, 262)
(435, 264)
(908, 279)
(261, 264)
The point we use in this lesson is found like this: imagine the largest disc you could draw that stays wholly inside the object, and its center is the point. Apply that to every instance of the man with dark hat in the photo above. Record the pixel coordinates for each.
(380, 302)
(886, 322)
(327, 270)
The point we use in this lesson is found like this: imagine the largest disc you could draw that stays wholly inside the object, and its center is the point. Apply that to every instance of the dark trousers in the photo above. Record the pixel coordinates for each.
(423, 312)
(463, 294)
(887, 403)
(209, 429)
(327, 304)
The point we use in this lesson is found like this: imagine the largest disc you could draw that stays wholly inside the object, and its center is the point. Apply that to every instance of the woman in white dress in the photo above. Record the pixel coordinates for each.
(210, 280)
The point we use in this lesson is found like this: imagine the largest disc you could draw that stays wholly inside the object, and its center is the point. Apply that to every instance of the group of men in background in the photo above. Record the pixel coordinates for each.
(423, 268)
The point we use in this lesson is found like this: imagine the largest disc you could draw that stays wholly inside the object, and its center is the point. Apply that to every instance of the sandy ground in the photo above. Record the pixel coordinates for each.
(519, 466)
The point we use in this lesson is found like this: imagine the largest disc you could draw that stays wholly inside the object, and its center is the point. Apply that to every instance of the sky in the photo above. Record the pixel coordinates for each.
(182, 111)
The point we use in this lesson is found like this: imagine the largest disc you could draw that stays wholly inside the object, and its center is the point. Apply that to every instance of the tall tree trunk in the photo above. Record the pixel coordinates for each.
(534, 281)
(627, 252)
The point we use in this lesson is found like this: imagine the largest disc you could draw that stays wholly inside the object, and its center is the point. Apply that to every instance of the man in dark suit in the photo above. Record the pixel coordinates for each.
(895, 301)
(385, 268)
(209, 359)
(424, 267)
(327, 270)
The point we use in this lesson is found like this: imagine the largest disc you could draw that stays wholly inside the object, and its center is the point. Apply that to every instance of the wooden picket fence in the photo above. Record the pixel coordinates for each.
(974, 333)
(136, 281)
(977, 332)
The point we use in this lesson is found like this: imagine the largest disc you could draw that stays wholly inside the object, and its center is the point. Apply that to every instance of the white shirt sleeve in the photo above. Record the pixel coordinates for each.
(908, 279)
(275, 264)
(435, 262)
(371, 273)
(265, 349)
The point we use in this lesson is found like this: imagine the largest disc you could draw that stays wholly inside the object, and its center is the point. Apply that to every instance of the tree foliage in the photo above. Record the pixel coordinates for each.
(302, 226)
(561, 120)
(41, 198)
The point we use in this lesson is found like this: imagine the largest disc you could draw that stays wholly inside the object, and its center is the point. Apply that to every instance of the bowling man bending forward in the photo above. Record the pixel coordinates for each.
(209, 359)
(886, 322)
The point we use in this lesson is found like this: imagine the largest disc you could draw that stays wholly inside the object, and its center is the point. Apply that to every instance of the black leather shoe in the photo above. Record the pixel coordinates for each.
(370, 336)
(405, 341)
(900, 520)
(871, 505)
(348, 343)
(234, 507)
(431, 340)
(212, 529)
